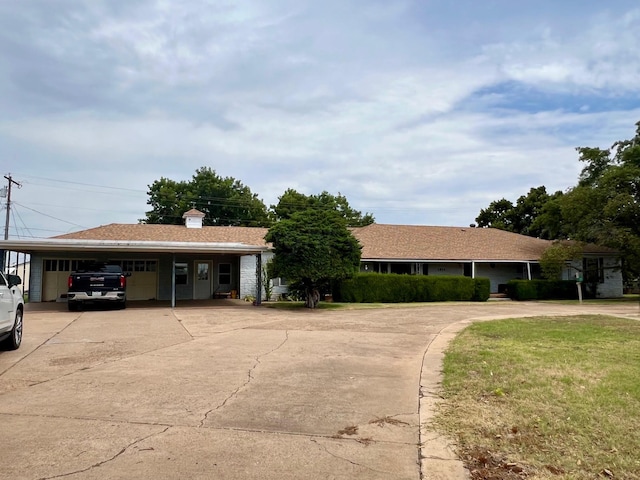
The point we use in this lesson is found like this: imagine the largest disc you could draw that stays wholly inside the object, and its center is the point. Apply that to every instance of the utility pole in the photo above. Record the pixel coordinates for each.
(6, 223)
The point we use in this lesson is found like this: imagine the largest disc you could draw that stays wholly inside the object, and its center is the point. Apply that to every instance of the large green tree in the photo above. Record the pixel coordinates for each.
(292, 201)
(313, 247)
(602, 208)
(528, 216)
(223, 200)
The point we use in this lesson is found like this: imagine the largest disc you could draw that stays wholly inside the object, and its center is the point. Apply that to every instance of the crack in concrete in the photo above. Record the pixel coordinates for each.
(94, 365)
(173, 312)
(39, 346)
(323, 447)
(103, 462)
(250, 377)
(191, 426)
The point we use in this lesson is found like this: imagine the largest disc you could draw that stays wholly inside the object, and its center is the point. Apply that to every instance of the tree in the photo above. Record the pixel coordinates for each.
(292, 201)
(556, 256)
(548, 223)
(312, 248)
(533, 214)
(499, 214)
(602, 208)
(224, 201)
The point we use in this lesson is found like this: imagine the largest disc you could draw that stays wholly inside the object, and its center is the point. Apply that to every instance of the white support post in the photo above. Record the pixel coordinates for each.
(173, 281)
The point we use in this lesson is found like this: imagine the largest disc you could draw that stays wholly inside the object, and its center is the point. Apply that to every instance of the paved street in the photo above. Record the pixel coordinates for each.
(231, 391)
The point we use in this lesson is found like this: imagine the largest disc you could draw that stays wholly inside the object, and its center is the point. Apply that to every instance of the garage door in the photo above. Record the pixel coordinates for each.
(143, 282)
(56, 275)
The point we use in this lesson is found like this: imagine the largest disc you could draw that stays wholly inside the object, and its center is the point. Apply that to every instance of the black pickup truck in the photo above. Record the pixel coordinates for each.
(97, 283)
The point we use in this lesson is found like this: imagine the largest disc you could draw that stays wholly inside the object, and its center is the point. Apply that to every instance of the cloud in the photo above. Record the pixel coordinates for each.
(601, 57)
(419, 112)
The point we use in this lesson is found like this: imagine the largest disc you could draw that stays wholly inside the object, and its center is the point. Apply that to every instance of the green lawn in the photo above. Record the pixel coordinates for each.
(555, 397)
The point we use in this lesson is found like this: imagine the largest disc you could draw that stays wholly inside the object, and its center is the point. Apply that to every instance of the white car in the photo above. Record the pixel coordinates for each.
(11, 312)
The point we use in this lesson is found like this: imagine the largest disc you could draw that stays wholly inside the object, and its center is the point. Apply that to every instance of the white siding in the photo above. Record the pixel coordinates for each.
(446, 269)
(613, 284)
(247, 276)
(501, 273)
(35, 280)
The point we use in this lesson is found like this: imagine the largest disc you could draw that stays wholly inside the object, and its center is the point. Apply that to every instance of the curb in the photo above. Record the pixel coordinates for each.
(438, 460)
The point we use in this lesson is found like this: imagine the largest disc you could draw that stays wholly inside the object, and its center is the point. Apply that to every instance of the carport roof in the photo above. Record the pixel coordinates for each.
(151, 238)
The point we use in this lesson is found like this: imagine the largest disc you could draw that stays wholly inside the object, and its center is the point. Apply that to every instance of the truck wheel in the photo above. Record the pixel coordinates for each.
(15, 339)
(73, 307)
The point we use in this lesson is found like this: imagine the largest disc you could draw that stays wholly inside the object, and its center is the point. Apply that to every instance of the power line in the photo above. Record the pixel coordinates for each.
(85, 184)
(51, 216)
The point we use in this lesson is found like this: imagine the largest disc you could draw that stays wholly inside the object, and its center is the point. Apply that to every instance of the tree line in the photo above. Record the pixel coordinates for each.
(227, 201)
(603, 207)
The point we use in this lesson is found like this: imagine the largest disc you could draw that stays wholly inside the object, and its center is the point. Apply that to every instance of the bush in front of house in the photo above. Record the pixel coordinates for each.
(397, 288)
(482, 289)
(542, 289)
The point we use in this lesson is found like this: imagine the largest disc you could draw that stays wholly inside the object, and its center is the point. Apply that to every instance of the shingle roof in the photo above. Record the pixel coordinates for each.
(391, 242)
(379, 241)
(171, 233)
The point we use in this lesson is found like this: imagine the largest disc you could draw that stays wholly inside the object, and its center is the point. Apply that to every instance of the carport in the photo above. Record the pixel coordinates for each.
(161, 270)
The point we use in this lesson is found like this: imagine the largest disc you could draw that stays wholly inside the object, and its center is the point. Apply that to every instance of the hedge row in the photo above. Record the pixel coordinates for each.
(542, 289)
(396, 288)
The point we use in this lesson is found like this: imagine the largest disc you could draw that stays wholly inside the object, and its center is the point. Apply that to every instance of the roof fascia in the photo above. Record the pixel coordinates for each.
(439, 260)
(128, 246)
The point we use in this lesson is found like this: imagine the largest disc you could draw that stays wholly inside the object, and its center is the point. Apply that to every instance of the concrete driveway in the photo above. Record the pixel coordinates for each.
(234, 391)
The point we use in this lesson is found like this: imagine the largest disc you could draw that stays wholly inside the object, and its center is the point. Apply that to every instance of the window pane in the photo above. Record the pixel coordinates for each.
(182, 274)
(224, 274)
(203, 271)
(139, 266)
(151, 266)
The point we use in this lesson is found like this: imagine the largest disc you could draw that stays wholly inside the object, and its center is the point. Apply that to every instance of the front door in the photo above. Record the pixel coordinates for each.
(202, 283)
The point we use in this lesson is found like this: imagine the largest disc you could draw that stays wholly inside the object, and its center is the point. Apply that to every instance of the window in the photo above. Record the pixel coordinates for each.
(467, 269)
(403, 268)
(279, 282)
(224, 274)
(203, 271)
(182, 274)
(593, 270)
(51, 265)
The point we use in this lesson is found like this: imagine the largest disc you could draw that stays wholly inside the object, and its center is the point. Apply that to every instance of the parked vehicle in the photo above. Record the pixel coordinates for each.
(97, 283)
(11, 312)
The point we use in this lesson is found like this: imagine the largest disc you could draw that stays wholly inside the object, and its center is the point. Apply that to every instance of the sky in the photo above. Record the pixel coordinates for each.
(419, 112)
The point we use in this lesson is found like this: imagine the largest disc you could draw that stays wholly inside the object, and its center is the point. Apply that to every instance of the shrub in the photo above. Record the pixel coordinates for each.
(396, 288)
(482, 290)
(542, 289)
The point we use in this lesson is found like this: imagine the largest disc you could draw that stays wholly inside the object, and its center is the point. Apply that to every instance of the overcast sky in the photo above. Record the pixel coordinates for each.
(419, 112)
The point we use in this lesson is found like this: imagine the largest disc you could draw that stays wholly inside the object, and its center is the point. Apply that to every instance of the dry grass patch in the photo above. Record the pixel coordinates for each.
(545, 398)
